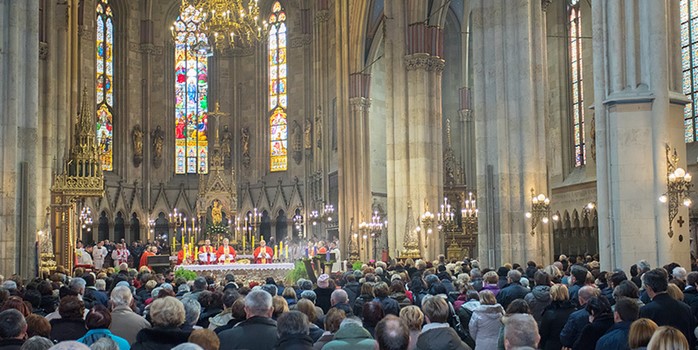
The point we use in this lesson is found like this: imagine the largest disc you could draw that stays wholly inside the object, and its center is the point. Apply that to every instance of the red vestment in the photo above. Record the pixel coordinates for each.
(210, 259)
(222, 252)
(144, 258)
(181, 257)
(260, 257)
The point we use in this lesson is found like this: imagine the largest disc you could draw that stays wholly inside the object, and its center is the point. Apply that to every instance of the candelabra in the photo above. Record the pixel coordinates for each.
(427, 220)
(298, 222)
(469, 214)
(540, 210)
(678, 187)
(446, 217)
(325, 217)
(85, 219)
(254, 220)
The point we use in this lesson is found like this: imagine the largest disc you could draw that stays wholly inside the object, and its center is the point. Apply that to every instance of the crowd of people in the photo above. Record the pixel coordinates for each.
(400, 305)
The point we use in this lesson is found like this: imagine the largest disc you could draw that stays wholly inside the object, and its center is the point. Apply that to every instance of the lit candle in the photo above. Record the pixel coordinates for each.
(286, 252)
(253, 246)
(244, 239)
(281, 247)
(276, 250)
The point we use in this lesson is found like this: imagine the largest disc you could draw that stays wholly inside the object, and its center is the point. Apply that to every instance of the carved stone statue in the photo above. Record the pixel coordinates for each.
(216, 213)
(318, 128)
(158, 140)
(308, 134)
(245, 143)
(297, 140)
(226, 146)
(137, 138)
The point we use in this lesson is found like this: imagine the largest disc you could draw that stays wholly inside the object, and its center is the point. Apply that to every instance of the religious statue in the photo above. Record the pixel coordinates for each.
(137, 138)
(308, 134)
(297, 142)
(216, 213)
(158, 139)
(318, 128)
(226, 147)
(245, 143)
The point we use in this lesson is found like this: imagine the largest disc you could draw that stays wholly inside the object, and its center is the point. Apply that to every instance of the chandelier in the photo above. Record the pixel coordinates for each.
(228, 23)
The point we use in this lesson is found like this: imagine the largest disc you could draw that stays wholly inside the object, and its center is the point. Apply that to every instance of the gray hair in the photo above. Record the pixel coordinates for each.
(12, 324)
(475, 273)
(192, 310)
(9, 285)
(258, 302)
(292, 323)
(77, 284)
(101, 284)
(271, 289)
(339, 296)
(154, 293)
(643, 266)
(521, 330)
(187, 346)
(514, 275)
(309, 294)
(37, 343)
(105, 343)
(679, 273)
(69, 345)
(121, 296)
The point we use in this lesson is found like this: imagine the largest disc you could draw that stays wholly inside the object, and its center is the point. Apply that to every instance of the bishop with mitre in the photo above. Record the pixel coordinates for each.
(263, 254)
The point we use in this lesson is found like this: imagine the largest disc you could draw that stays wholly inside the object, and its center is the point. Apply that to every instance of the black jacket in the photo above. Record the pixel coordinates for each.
(258, 333)
(294, 342)
(353, 290)
(444, 338)
(510, 293)
(553, 320)
(359, 304)
(665, 311)
(66, 329)
(593, 332)
(160, 338)
(690, 297)
(323, 298)
(11, 344)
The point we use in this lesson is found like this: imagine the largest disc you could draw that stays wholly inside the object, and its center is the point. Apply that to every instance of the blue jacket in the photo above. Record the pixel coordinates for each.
(95, 334)
(574, 293)
(616, 337)
(573, 328)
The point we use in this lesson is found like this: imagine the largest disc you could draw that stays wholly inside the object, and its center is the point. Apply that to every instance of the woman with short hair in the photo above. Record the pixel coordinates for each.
(98, 321)
(71, 325)
(166, 315)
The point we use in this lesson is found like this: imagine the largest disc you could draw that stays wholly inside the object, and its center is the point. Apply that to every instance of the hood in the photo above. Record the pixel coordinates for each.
(221, 319)
(493, 311)
(472, 304)
(541, 293)
(352, 331)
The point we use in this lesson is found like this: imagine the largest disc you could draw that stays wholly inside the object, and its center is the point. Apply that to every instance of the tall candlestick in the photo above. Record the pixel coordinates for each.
(287, 252)
(253, 246)
(281, 247)
(276, 250)
(244, 238)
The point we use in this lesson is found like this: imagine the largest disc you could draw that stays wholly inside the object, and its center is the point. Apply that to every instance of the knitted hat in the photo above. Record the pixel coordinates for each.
(323, 281)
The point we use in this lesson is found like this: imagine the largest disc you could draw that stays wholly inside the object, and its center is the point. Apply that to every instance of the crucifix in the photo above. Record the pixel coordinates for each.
(680, 221)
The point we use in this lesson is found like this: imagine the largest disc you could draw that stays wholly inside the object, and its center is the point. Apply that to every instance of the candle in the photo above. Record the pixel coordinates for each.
(281, 247)
(276, 250)
(244, 239)
(253, 246)
(287, 252)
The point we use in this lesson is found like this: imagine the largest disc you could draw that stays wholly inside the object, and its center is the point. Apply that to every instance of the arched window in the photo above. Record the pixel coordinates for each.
(278, 98)
(577, 87)
(191, 86)
(104, 83)
(689, 58)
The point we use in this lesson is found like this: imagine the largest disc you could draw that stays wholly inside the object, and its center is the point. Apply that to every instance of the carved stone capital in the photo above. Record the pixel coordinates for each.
(544, 4)
(424, 61)
(360, 104)
(43, 50)
(466, 115)
(301, 40)
(322, 16)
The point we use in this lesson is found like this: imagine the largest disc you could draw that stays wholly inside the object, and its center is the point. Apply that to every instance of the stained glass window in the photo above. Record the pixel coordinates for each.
(191, 85)
(278, 89)
(104, 83)
(689, 60)
(577, 86)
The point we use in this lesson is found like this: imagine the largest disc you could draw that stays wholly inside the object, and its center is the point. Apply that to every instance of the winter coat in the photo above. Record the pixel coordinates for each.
(11, 344)
(96, 334)
(439, 336)
(510, 293)
(616, 337)
(160, 338)
(465, 313)
(538, 299)
(484, 326)
(491, 287)
(573, 327)
(574, 291)
(666, 311)
(294, 342)
(460, 300)
(326, 338)
(49, 303)
(351, 336)
(220, 320)
(257, 333)
(315, 333)
(552, 322)
(206, 315)
(690, 297)
(126, 324)
(353, 290)
(67, 329)
(402, 299)
(323, 298)
(359, 304)
(390, 305)
(593, 332)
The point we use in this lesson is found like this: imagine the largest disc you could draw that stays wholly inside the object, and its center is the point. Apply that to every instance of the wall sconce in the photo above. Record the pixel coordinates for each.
(540, 211)
(678, 187)
(427, 219)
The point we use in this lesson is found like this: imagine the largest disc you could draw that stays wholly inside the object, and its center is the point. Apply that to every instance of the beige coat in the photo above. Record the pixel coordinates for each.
(126, 324)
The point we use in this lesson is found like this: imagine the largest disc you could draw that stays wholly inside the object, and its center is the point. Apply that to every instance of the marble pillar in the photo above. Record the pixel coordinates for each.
(639, 111)
(20, 148)
(509, 106)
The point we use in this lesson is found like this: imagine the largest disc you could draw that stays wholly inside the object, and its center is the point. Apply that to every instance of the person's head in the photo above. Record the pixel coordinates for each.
(121, 296)
(292, 323)
(392, 333)
(367, 289)
(541, 278)
(323, 281)
(675, 292)
(655, 281)
(333, 319)
(200, 284)
(262, 243)
(597, 306)
(98, 318)
(641, 331)
(585, 293)
(226, 241)
(679, 273)
(381, 290)
(37, 343)
(487, 298)
(38, 326)
(12, 325)
(518, 306)
(77, 285)
(280, 305)
(521, 330)
(289, 293)
(692, 279)
(258, 303)
(205, 338)
(436, 310)
(192, 311)
(626, 310)
(413, 317)
(308, 308)
(207, 242)
(491, 277)
(71, 308)
(643, 266)
(559, 292)
(238, 309)
(514, 276)
(339, 296)
(667, 338)
(372, 313)
(167, 312)
(15, 302)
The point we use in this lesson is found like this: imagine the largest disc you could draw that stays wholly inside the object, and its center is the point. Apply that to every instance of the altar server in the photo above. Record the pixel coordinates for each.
(83, 257)
(120, 255)
(226, 253)
(263, 254)
(99, 252)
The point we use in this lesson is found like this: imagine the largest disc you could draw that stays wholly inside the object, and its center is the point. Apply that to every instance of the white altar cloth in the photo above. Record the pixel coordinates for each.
(236, 267)
(244, 273)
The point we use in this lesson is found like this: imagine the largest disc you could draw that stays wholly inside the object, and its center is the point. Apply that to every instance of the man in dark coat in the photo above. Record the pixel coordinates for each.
(663, 309)
(352, 288)
(626, 312)
(579, 277)
(513, 291)
(258, 331)
(13, 330)
(578, 319)
(690, 294)
(294, 332)
(437, 334)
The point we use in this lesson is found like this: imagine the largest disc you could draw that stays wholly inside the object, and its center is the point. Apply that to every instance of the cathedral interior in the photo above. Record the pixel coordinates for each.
(502, 130)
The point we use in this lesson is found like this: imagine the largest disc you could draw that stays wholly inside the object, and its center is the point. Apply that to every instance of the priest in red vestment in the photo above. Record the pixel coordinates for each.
(210, 257)
(150, 251)
(226, 253)
(263, 254)
(184, 256)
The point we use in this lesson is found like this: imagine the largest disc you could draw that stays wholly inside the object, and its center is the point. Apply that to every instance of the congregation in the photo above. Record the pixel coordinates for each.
(570, 304)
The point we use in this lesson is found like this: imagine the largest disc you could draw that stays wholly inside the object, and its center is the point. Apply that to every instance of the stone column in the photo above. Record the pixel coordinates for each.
(20, 212)
(510, 104)
(639, 108)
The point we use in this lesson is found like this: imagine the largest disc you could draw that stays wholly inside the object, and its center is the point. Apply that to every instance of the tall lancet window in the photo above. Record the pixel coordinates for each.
(576, 84)
(689, 59)
(104, 84)
(191, 86)
(278, 97)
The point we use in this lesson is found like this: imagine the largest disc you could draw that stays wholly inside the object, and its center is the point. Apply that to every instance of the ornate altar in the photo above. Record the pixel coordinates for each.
(244, 273)
(82, 178)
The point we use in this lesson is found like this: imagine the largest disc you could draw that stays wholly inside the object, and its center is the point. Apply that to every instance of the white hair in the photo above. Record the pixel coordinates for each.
(679, 273)
(121, 296)
(187, 346)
